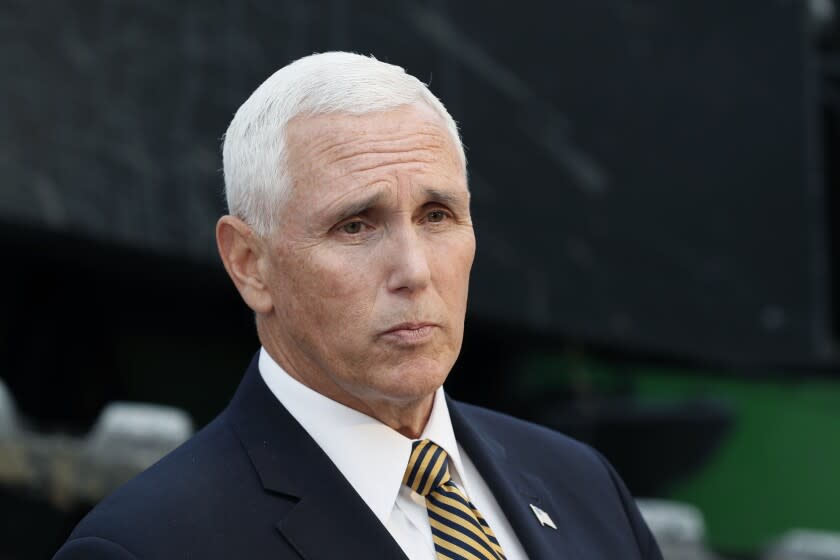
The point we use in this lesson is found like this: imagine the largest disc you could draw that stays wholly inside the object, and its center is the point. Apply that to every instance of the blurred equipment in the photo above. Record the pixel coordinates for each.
(13, 469)
(8, 414)
(68, 471)
(679, 529)
(805, 544)
(48, 481)
(823, 14)
(132, 436)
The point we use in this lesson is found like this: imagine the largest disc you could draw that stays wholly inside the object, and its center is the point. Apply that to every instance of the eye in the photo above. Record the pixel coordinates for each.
(352, 228)
(436, 216)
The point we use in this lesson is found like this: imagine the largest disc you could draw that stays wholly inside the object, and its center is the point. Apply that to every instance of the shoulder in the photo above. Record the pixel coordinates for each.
(580, 479)
(93, 548)
(527, 440)
(544, 452)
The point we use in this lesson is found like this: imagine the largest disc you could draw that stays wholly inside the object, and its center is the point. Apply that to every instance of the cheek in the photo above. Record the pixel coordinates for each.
(344, 278)
(453, 268)
(332, 293)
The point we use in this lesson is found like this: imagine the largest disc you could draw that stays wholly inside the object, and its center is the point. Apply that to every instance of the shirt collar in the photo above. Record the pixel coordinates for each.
(439, 430)
(346, 434)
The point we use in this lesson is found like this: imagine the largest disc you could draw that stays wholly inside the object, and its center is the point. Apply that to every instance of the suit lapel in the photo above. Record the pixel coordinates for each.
(330, 520)
(515, 489)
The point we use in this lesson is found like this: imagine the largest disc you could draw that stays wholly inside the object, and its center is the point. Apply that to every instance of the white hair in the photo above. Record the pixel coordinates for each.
(257, 178)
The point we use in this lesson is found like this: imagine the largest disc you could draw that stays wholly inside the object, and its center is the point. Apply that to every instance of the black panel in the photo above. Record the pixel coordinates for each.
(644, 172)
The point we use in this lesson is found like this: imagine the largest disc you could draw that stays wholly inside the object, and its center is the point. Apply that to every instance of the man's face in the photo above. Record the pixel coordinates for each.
(369, 268)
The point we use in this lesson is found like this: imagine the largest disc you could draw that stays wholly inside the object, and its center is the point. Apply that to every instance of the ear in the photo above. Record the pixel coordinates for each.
(242, 251)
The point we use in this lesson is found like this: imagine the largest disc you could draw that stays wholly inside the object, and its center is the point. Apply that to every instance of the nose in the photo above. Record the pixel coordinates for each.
(409, 270)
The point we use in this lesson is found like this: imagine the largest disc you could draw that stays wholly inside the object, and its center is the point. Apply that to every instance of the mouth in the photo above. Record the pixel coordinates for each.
(410, 333)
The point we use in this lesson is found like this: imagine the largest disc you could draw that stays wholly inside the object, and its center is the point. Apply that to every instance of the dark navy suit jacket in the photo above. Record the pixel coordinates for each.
(253, 484)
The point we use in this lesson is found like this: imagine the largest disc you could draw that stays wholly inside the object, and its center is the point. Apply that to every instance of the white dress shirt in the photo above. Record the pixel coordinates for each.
(345, 435)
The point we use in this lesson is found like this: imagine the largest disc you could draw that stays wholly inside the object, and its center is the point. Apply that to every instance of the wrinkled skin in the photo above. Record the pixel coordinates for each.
(360, 291)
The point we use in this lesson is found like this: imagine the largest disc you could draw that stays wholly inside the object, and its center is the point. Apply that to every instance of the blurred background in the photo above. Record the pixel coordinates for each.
(657, 204)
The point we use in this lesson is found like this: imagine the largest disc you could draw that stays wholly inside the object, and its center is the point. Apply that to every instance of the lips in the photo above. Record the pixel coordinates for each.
(410, 333)
(410, 327)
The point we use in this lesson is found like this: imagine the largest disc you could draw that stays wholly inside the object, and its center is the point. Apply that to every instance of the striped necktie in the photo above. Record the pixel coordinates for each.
(458, 529)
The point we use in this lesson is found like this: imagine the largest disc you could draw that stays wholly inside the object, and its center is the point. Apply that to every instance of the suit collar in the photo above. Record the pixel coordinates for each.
(329, 515)
(515, 487)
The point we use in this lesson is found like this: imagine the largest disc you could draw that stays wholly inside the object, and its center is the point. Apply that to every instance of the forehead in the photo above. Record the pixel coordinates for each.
(344, 144)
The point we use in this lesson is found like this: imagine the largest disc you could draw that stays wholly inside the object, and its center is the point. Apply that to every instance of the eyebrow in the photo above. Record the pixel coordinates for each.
(431, 195)
(358, 207)
(445, 197)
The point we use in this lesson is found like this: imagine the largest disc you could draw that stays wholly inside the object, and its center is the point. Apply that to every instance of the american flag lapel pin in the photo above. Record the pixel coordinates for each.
(543, 517)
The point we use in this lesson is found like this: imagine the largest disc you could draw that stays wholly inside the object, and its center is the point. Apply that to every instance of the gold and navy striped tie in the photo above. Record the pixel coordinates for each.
(458, 529)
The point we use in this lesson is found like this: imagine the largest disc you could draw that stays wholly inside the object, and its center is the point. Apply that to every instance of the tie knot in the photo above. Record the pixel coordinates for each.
(428, 467)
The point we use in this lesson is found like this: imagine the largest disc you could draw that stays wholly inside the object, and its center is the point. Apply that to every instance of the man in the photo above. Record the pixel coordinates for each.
(350, 238)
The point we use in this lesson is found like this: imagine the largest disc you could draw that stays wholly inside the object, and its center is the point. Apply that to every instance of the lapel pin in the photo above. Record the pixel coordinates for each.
(543, 517)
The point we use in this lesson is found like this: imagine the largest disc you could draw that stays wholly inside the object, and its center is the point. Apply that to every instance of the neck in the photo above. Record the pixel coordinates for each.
(406, 416)
(410, 421)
